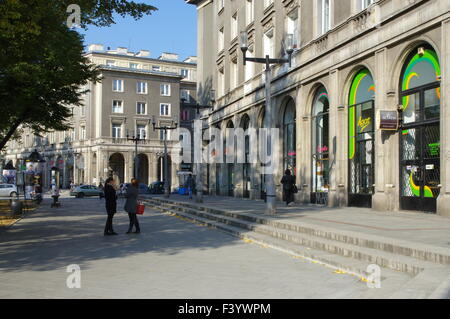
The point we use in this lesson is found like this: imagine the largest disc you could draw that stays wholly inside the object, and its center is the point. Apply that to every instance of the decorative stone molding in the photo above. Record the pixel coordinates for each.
(321, 44)
(290, 5)
(361, 21)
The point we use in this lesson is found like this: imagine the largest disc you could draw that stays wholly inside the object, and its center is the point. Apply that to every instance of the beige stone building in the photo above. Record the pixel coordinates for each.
(355, 62)
(135, 89)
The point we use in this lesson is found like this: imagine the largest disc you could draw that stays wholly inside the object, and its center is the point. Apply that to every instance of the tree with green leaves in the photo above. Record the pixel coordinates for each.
(42, 64)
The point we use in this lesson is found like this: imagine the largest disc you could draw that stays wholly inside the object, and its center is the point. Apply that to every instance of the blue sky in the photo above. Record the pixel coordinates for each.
(173, 28)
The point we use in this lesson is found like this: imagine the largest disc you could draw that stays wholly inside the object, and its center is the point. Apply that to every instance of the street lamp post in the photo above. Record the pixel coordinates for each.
(165, 128)
(198, 166)
(136, 138)
(268, 120)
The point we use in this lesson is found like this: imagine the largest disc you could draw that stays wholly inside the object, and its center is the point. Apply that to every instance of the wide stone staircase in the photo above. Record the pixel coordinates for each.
(346, 251)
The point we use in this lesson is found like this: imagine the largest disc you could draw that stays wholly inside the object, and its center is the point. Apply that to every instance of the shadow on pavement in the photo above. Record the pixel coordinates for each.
(73, 234)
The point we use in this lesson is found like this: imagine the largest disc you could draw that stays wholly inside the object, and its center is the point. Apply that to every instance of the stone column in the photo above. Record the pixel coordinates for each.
(129, 160)
(443, 201)
(385, 179)
(254, 171)
(304, 167)
(152, 167)
(238, 167)
(335, 139)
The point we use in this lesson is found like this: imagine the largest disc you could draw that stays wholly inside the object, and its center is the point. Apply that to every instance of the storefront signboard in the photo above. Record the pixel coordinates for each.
(389, 120)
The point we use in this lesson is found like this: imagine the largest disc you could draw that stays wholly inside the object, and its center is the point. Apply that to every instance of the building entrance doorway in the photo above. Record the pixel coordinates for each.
(361, 140)
(420, 132)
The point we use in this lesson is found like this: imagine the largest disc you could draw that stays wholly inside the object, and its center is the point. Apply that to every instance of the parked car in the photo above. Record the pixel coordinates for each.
(156, 187)
(9, 190)
(86, 190)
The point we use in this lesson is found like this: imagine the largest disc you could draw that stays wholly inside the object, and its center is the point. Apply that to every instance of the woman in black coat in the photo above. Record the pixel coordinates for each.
(288, 182)
(111, 205)
(131, 195)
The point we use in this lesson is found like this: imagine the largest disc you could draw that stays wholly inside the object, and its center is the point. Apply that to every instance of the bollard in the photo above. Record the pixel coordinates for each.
(16, 207)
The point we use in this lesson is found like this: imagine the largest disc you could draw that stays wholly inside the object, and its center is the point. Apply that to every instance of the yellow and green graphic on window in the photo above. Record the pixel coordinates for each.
(422, 69)
(361, 91)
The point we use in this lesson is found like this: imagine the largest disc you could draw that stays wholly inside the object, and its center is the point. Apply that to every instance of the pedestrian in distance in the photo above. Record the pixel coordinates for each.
(190, 185)
(131, 195)
(111, 206)
(289, 187)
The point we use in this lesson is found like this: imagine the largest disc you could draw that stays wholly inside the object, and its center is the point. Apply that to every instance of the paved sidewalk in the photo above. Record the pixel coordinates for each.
(420, 228)
(169, 259)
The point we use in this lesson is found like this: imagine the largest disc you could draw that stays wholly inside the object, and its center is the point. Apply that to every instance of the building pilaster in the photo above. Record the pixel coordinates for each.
(443, 201)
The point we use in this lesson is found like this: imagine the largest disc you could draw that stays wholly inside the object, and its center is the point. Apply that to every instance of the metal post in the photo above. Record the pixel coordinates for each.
(166, 170)
(135, 158)
(270, 184)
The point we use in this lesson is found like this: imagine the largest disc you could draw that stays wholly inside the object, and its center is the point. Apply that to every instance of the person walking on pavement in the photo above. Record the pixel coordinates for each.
(190, 185)
(288, 182)
(131, 195)
(111, 206)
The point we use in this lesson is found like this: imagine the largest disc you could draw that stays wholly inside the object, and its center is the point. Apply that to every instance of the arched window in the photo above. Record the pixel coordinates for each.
(289, 131)
(361, 139)
(420, 131)
(320, 143)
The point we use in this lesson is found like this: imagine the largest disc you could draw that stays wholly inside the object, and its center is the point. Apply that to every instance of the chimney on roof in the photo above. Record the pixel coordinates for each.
(169, 56)
(191, 59)
(143, 53)
(95, 47)
(122, 50)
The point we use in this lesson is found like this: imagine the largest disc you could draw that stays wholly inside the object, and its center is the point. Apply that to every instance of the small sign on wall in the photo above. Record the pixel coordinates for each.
(388, 120)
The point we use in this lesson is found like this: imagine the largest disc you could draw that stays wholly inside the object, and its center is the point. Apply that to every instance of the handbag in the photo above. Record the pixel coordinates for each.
(140, 208)
(295, 189)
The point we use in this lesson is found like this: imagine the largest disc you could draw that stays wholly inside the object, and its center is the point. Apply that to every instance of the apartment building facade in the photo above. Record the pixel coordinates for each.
(135, 90)
(363, 111)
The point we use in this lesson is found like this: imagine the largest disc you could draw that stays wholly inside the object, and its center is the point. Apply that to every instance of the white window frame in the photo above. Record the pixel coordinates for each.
(221, 82)
(366, 3)
(116, 128)
(325, 24)
(163, 91)
(221, 40)
(121, 86)
(110, 63)
(156, 68)
(186, 95)
(134, 65)
(269, 43)
(167, 111)
(139, 129)
(220, 5)
(121, 108)
(234, 25)
(82, 133)
(234, 74)
(138, 109)
(138, 87)
(184, 73)
(249, 11)
(292, 26)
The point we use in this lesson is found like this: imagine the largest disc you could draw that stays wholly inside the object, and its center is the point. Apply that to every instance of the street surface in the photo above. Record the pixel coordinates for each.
(171, 258)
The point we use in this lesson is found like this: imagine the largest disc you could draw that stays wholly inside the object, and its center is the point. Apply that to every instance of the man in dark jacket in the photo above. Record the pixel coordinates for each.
(111, 205)
(288, 182)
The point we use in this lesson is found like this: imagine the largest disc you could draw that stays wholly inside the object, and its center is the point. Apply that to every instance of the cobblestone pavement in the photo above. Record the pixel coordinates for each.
(171, 258)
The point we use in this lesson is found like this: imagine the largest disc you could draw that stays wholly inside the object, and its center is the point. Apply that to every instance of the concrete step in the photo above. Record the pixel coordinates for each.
(418, 251)
(333, 261)
(367, 255)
